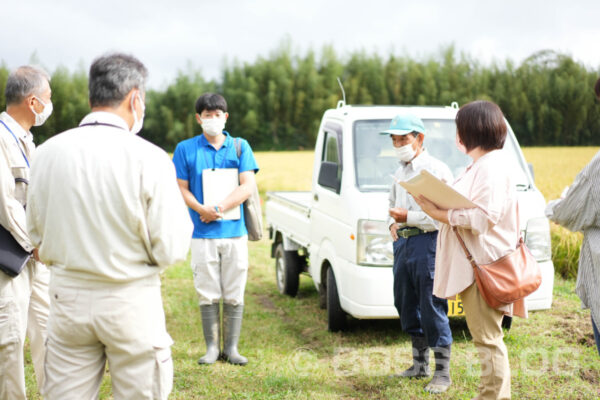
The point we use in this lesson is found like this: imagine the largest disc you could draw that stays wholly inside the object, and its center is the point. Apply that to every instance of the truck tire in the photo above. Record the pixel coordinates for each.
(323, 294)
(336, 317)
(287, 271)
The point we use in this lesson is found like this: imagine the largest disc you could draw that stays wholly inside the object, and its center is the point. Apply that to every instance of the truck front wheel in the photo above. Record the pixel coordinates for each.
(336, 317)
(287, 271)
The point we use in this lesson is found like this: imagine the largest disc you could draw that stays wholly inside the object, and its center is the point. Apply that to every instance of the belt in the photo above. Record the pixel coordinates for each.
(409, 231)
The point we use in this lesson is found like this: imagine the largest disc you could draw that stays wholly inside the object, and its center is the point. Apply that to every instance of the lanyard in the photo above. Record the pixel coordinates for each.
(18, 144)
(96, 123)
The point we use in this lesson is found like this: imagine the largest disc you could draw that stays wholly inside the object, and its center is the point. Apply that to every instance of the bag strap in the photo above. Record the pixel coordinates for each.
(464, 247)
(468, 253)
(238, 147)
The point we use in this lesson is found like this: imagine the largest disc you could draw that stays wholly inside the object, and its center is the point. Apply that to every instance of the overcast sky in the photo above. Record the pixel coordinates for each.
(171, 35)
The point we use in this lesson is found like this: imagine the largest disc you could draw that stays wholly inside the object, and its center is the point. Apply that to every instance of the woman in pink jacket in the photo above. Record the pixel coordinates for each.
(490, 231)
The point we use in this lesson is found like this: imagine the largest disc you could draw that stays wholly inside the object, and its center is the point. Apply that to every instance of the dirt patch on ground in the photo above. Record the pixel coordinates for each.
(371, 390)
(574, 327)
(590, 375)
(361, 390)
(266, 303)
(576, 330)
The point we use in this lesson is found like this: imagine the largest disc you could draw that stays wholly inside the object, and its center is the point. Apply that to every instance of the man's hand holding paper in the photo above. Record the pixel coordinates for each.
(218, 185)
(210, 213)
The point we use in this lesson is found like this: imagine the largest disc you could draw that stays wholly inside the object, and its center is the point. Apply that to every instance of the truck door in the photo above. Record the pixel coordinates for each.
(328, 216)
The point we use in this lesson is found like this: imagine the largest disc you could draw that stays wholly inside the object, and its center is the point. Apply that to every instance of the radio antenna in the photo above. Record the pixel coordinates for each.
(342, 102)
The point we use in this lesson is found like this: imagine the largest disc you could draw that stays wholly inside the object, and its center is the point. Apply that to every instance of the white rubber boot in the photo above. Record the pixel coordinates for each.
(232, 325)
(212, 334)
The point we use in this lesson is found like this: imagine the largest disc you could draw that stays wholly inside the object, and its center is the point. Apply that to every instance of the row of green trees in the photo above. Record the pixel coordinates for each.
(276, 102)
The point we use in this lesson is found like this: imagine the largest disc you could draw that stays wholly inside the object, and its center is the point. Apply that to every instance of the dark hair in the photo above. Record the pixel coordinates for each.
(112, 77)
(24, 81)
(597, 88)
(481, 124)
(210, 102)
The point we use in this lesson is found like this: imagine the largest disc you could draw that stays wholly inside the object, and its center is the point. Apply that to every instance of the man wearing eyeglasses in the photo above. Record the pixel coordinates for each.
(24, 301)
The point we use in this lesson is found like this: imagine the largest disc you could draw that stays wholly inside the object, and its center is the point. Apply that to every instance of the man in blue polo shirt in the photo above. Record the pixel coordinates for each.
(219, 244)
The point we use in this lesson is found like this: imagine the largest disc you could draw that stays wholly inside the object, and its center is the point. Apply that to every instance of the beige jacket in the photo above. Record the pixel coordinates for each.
(15, 153)
(104, 207)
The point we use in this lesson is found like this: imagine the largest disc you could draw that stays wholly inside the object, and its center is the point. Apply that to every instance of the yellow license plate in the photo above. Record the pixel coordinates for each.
(455, 307)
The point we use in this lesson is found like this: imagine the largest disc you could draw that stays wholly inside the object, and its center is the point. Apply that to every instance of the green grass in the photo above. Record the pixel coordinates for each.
(293, 356)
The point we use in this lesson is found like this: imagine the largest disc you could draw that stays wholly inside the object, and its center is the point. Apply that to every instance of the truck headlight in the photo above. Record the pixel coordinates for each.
(537, 238)
(374, 244)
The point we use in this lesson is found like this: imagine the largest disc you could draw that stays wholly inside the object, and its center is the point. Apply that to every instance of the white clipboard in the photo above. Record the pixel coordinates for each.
(217, 184)
(438, 192)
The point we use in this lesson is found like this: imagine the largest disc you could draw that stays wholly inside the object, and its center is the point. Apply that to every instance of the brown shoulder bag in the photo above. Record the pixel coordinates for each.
(509, 278)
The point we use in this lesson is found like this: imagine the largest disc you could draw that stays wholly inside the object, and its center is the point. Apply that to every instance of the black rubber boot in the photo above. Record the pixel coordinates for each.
(441, 377)
(232, 325)
(212, 334)
(420, 367)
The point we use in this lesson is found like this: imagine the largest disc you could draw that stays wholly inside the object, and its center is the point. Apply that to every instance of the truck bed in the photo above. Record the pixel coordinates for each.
(289, 213)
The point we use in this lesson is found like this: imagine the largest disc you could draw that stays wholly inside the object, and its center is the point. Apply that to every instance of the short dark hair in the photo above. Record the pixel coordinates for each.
(112, 77)
(481, 124)
(210, 102)
(413, 134)
(597, 88)
(23, 82)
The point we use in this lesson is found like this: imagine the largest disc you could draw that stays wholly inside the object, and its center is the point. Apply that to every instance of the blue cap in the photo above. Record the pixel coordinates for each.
(403, 124)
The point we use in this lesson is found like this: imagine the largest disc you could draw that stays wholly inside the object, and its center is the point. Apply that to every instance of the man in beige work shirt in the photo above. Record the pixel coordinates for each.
(105, 210)
(24, 298)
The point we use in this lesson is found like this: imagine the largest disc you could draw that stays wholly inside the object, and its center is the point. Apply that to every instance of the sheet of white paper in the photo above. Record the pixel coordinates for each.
(441, 194)
(217, 184)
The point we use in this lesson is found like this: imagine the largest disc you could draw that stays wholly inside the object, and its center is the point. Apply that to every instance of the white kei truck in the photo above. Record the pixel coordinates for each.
(337, 232)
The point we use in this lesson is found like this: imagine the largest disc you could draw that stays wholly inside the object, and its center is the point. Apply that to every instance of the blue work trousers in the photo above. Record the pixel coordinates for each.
(421, 313)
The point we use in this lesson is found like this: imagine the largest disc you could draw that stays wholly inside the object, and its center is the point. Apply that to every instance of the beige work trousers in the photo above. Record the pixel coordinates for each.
(220, 268)
(121, 324)
(24, 306)
(485, 325)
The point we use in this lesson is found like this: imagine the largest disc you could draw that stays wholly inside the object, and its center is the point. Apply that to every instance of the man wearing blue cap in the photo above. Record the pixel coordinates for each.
(422, 315)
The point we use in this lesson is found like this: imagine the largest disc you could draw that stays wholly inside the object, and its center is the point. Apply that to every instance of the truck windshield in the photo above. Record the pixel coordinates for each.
(375, 158)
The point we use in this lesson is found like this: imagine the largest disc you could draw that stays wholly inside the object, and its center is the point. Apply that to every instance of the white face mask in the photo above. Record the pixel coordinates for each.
(137, 123)
(43, 116)
(213, 126)
(405, 153)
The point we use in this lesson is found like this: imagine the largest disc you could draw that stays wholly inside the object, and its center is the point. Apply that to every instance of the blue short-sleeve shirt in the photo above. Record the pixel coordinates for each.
(194, 155)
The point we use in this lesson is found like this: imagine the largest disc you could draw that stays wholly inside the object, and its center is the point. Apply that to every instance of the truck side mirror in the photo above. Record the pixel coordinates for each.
(328, 176)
